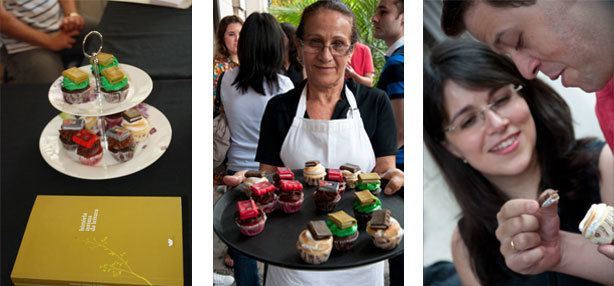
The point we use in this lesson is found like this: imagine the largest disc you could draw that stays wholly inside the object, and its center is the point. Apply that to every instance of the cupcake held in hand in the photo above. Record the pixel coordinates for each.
(327, 196)
(365, 204)
(598, 224)
(344, 230)
(315, 243)
(250, 219)
(313, 173)
(291, 197)
(385, 231)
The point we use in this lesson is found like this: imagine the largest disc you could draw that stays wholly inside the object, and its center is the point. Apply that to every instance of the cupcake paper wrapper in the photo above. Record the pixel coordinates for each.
(314, 181)
(291, 207)
(269, 207)
(123, 156)
(83, 96)
(70, 147)
(344, 243)
(91, 161)
(324, 206)
(362, 219)
(116, 96)
(251, 230)
(312, 258)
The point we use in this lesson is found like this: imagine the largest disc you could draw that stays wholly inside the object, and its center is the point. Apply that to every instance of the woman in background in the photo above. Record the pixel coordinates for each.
(226, 42)
(500, 141)
(292, 67)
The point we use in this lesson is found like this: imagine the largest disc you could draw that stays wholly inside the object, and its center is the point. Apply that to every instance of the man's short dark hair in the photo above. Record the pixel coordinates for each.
(453, 12)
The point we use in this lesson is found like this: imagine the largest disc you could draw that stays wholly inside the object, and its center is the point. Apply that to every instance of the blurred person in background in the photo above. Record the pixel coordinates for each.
(226, 43)
(360, 68)
(292, 67)
(40, 38)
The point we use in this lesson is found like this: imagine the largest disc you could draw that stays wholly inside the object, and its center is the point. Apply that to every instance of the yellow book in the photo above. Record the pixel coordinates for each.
(95, 240)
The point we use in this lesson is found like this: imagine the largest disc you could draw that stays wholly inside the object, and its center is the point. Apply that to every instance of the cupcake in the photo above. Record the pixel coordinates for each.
(334, 175)
(365, 204)
(114, 85)
(385, 231)
(263, 194)
(350, 174)
(91, 124)
(315, 243)
(112, 120)
(282, 173)
(291, 197)
(120, 143)
(327, 196)
(136, 124)
(69, 128)
(76, 86)
(344, 230)
(89, 149)
(251, 178)
(313, 173)
(598, 224)
(250, 219)
(105, 61)
(369, 181)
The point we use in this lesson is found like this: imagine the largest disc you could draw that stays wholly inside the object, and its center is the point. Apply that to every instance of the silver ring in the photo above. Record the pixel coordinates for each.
(85, 40)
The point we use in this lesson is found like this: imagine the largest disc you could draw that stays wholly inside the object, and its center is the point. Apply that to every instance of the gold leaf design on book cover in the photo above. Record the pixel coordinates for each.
(120, 263)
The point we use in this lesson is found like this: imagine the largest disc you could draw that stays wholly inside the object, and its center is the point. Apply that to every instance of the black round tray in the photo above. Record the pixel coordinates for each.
(276, 245)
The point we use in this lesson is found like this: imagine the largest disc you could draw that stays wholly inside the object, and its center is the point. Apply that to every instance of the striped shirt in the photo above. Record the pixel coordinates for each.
(43, 15)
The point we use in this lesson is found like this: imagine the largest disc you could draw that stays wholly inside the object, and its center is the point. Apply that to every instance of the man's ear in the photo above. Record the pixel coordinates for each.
(452, 149)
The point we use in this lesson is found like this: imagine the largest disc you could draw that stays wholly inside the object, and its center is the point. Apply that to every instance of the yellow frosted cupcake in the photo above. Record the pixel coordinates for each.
(136, 124)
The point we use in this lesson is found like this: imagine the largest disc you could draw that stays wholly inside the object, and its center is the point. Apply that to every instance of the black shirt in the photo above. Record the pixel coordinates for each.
(375, 111)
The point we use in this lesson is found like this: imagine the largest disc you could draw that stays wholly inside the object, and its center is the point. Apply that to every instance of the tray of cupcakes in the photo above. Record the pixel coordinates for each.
(105, 147)
(315, 218)
(122, 86)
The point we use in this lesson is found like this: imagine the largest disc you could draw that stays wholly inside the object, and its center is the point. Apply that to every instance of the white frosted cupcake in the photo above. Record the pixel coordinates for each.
(136, 124)
(313, 173)
(315, 243)
(385, 231)
(598, 224)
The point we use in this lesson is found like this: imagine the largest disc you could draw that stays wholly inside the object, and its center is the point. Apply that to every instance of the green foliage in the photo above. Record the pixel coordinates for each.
(290, 11)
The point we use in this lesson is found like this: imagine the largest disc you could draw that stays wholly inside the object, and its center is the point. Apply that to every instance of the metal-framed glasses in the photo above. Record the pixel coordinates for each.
(502, 104)
(337, 49)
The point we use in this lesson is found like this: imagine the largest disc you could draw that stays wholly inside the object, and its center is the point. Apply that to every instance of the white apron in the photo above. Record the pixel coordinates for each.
(333, 143)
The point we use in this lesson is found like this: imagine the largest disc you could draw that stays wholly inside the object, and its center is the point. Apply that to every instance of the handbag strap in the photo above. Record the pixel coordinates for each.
(219, 107)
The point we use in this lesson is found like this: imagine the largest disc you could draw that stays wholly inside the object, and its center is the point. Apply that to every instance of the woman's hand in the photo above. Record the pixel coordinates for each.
(607, 250)
(529, 236)
(395, 179)
(234, 180)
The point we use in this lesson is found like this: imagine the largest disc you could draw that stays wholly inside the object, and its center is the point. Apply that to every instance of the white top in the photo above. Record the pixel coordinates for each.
(244, 113)
(333, 143)
(43, 15)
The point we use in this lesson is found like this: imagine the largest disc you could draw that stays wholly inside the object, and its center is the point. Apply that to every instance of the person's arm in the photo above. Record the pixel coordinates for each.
(14, 28)
(72, 20)
(397, 108)
(462, 263)
(579, 257)
(606, 170)
(366, 80)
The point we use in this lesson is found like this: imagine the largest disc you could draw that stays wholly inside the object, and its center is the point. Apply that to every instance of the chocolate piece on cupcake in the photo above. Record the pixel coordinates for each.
(350, 174)
(282, 173)
(250, 219)
(369, 181)
(105, 60)
(335, 175)
(365, 204)
(384, 230)
(291, 196)
(315, 243)
(76, 86)
(344, 230)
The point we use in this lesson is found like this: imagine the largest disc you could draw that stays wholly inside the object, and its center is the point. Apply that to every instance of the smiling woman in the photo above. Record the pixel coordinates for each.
(501, 140)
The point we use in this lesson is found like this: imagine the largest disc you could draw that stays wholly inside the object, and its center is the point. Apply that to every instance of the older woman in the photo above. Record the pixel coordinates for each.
(322, 119)
(226, 43)
(500, 141)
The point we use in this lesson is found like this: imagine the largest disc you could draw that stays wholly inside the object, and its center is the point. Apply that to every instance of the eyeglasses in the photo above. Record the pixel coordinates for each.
(473, 120)
(337, 49)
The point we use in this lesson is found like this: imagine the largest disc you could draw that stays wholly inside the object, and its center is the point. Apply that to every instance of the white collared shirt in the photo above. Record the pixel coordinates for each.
(395, 46)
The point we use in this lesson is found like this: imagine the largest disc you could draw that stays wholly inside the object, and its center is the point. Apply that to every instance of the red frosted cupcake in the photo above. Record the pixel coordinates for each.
(250, 219)
(327, 196)
(263, 194)
(335, 175)
(291, 198)
(89, 149)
